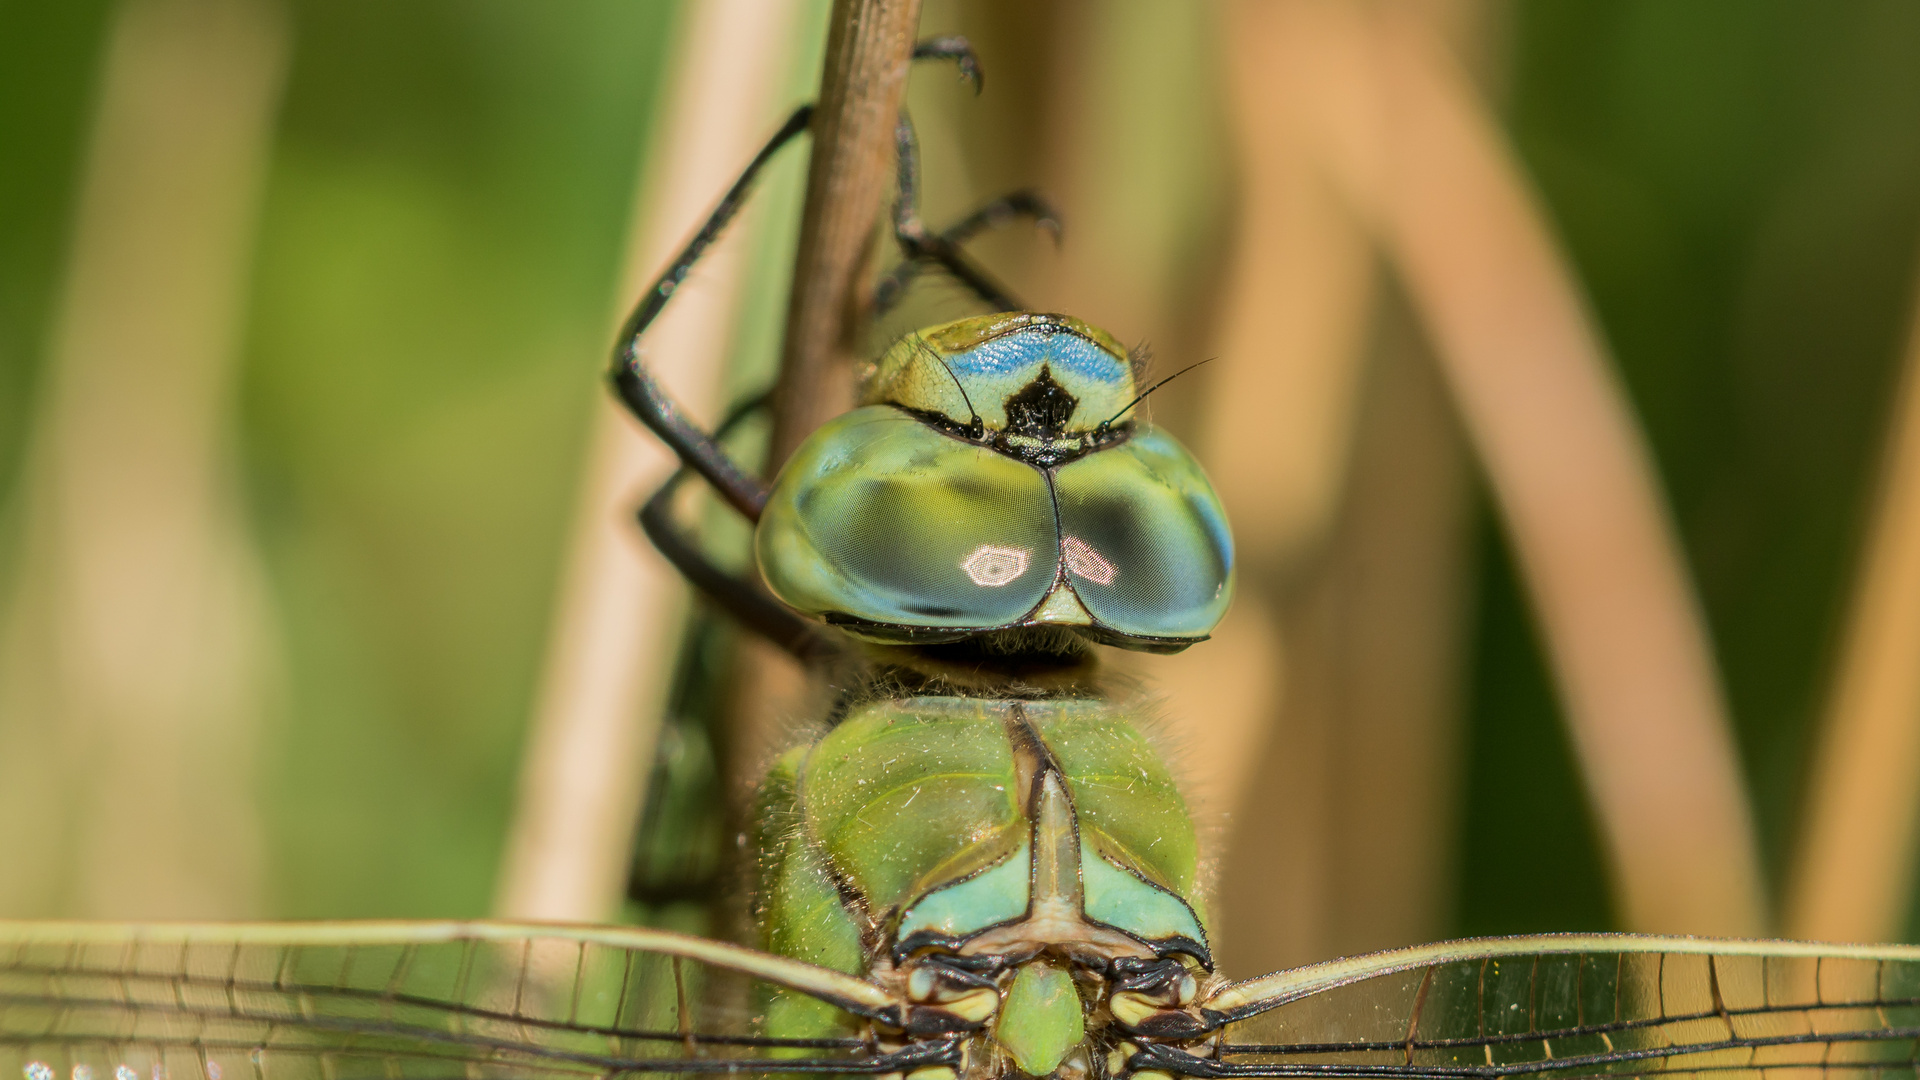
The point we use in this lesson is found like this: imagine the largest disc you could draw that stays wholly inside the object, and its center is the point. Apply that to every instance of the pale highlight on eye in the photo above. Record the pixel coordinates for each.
(83, 1072)
(992, 566)
(37, 1070)
(1083, 561)
(125, 1072)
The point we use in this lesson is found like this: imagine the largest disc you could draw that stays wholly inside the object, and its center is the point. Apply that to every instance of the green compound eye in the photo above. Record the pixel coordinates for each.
(883, 519)
(882, 522)
(1145, 540)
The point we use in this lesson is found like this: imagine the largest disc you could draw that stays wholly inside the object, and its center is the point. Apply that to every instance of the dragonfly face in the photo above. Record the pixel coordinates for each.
(990, 483)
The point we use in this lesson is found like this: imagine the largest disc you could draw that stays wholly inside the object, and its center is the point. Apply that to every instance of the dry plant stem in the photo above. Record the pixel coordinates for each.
(1346, 507)
(1855, 868)
(1356, 855)
(1575, 485)
(869, 51)
(618, 614)
(1280, 406)
(1282, 397)
(864, 81)
(138, 657)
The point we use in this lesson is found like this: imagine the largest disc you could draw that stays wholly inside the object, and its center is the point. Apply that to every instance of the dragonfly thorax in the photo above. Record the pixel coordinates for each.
(1019, 899)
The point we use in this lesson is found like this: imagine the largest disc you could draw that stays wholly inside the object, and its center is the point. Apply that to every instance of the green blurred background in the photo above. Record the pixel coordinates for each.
(1739, 187)
(1737, 182)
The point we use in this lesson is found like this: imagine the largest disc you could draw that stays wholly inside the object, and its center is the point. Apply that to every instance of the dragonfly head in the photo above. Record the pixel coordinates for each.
(992, 484)
(1039, 378)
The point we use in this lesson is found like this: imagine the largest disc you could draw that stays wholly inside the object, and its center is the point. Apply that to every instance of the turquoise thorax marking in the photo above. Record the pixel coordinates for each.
(990, 898)
(1001, 896)
(1117, 898)
(1010, 826)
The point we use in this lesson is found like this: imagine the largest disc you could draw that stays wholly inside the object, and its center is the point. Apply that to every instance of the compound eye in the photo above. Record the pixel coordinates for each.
(880, 520)
(1144, 539)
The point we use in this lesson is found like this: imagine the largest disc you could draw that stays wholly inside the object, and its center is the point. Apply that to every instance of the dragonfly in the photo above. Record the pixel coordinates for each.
(982, 868)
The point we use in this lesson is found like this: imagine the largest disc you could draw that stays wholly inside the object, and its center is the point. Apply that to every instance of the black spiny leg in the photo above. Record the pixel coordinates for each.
(738, 597)
(923, 247)
(701, 452)
(637, 386)
(957, 49)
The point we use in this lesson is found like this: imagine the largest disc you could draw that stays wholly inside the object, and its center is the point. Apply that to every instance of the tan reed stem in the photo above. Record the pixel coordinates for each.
(869, 51)
(139, 653)
(618, 614)
(1853, 875)
(1574, 483)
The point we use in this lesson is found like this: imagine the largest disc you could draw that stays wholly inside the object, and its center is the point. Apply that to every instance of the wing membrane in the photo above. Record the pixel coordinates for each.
(400, 1000)
(1581, 1006)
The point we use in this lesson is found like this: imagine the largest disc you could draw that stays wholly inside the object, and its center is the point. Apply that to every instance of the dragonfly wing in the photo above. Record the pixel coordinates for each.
(1579, 1006)
(337, 1001)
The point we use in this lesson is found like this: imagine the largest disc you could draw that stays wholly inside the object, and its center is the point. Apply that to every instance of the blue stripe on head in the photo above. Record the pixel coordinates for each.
(1067, 354)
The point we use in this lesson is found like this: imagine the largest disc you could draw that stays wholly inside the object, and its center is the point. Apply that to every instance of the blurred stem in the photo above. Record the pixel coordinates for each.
(869, 52)
(1853, 876)
(1281, 409)
(1357, 856)
(1573, 480)
(1388, 116)
(1332, 442)
(617, 623)
(137, 655)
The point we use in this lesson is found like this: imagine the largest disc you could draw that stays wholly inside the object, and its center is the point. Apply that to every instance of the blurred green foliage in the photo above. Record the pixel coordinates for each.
(437, 263)
(433, 288)
(1738, 183)
(47, 68)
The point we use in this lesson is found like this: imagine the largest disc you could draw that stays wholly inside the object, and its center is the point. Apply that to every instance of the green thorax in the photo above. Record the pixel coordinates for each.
(983, 827)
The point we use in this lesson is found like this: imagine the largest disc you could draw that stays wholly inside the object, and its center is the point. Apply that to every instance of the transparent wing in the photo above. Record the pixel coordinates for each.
(1580, 1006)
(336, 1001)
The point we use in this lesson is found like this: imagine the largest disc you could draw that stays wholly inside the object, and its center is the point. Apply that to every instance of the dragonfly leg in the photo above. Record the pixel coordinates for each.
(1025, 203)
(957, 49)
(637, 386)
(642, 393)
(740, 598)
(744, 600)
(922, 247)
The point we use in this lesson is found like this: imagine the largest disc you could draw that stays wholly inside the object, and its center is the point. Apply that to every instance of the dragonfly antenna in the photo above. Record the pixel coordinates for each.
(979, 425)
(1108, 422)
